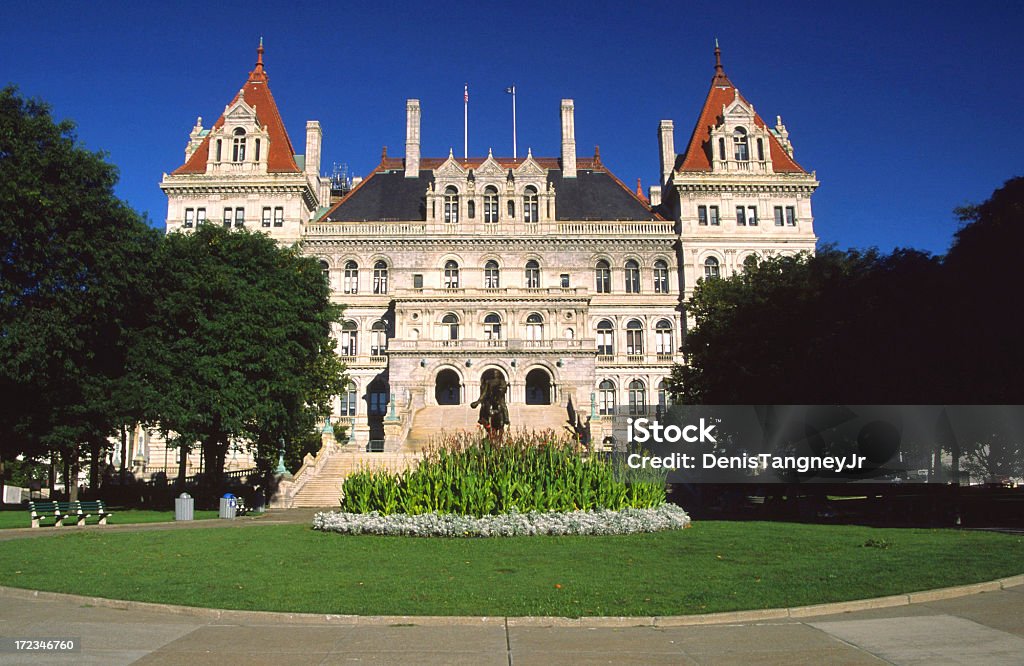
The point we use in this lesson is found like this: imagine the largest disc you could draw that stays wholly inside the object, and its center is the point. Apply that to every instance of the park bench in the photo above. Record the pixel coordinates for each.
(45, 510)
(59, 512)
(91, 508)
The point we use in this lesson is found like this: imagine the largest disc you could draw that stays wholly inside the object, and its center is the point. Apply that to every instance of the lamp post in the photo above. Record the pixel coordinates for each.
(281, 469)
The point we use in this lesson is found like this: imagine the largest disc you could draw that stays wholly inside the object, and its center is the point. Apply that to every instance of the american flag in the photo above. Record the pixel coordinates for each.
(511, 90)
(465, 94)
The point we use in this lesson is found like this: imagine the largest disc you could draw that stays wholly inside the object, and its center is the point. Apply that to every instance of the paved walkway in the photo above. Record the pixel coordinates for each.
(983, 628)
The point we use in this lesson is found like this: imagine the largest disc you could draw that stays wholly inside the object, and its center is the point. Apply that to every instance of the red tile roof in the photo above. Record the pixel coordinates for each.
(698, 152)
(281, 157)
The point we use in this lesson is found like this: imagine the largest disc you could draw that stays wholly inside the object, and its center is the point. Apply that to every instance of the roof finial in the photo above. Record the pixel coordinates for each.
(257, 72)
(718, 60)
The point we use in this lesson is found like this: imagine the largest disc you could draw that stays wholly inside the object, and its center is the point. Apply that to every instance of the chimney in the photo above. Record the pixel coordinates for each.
(568, 139)
(654, 195)
(412, 138)
(314, 137)
(667, 146)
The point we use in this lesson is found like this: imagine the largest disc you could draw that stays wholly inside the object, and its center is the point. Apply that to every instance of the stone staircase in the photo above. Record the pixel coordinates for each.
(430, 422)
(324, 490)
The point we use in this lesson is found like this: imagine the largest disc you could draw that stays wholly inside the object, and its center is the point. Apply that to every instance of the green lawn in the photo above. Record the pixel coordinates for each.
(715, 566)
(20, 518)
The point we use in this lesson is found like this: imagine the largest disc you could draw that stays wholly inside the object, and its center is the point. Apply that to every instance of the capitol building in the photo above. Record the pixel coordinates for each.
(547, 269)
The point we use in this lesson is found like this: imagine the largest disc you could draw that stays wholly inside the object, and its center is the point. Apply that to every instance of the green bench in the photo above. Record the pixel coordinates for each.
(59, 512)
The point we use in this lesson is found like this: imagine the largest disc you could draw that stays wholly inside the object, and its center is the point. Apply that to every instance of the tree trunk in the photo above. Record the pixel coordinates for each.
(94, 465)
(124, 450)
(73, 488)
(184, 450)
(66, 468)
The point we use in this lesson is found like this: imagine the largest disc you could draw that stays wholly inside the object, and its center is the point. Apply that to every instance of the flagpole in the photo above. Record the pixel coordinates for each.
(514, 143)
(465, 122)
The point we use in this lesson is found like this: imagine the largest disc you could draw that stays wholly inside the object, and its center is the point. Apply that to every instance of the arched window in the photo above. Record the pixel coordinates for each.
(511, 209)
(660, 277)
(634, 337)
(632, 277)
(530, 204)
(760, 150)
(663, 344)
(349, 400)
(606, 397)
(238, 145)
(450, 327)
(490, 205)
(349, 339)
(637, 397)
(351, 282)
(605, 338)
(378, 338)
(451, 205)
(451, 275)
(662, 398)
(739, 143)
(535, 327)
(711, 268)
(532, 274)
(603, 276)
(492, 275)
(492, 327)
(471, 209)
(380, 277)
(325, 270)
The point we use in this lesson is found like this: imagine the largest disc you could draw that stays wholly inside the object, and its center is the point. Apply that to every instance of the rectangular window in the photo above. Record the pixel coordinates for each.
(200, 216)
(279, 217)
(257, 150)
(741, 216)
(190, 214)
(564, 277)
(702, 216)
(417, 281)
(714, 216)
(239, 218)
(778, 216)
(790, 216)
(266, 217)
(227, 218)
(752, 215)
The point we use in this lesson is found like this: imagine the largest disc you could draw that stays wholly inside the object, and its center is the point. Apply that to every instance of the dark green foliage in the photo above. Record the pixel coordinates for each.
(473, 475)
(862, 327)
(238, 342)
(74, 272)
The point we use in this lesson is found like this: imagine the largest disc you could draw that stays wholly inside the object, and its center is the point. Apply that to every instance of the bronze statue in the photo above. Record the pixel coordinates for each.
(493, 410)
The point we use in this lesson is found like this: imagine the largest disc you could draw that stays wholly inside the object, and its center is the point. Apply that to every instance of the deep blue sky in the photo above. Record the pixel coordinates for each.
(905, 110)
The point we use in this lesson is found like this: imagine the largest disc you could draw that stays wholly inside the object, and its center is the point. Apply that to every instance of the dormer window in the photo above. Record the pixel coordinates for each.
(238, 146)
(530, 204)
(760, 150)
(741, 150)
(490, 205)
(451, 205)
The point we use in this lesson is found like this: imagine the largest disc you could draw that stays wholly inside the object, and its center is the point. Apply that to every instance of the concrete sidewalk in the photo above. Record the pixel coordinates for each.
(985, 628)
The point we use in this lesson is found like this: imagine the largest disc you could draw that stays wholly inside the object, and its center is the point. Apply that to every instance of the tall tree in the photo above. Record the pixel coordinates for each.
(73, 269)
(238, 344)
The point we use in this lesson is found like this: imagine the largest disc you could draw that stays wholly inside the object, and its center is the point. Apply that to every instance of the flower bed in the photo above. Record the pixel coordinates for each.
(533, 523)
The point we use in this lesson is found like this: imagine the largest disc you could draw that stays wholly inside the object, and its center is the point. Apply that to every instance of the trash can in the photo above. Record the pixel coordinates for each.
(184, 507)
(228, 506)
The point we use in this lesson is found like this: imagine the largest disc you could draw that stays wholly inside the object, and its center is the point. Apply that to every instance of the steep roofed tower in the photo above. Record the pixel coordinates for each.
(737, 190)
(243, 171)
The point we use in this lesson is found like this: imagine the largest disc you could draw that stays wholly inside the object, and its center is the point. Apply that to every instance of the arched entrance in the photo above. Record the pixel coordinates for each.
(447, 387)
(538, 387)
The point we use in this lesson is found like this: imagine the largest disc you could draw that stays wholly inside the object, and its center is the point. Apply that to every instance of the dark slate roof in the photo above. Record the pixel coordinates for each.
(386, 194)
